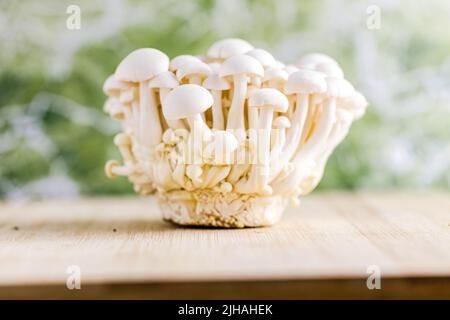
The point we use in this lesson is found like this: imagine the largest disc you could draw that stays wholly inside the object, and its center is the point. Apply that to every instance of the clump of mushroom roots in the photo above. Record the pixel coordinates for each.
(234, 121)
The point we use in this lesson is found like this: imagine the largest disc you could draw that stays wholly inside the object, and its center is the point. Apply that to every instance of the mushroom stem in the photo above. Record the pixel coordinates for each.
(280, 140)
(236, 115)
(174, 124)
(322, 131)
(217, 110)
(294, 134)
(197, 124)
(150, 131)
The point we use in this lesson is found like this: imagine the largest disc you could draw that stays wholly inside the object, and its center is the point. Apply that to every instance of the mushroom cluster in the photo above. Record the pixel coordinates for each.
(231, 138)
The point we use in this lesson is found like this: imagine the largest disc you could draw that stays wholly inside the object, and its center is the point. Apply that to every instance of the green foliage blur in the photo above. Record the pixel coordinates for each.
(54, 138)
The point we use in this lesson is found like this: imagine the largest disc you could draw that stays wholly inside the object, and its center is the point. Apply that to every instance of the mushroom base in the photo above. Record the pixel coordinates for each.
(224, 210)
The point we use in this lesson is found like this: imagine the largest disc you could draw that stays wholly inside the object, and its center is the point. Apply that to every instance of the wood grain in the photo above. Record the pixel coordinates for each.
(329, 241)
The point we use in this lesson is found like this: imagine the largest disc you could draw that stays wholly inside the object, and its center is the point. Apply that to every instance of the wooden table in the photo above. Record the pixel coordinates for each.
(321, 249)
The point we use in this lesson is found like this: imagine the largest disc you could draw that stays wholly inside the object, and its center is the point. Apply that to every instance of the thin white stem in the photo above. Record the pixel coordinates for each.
(217, 110)
(150, 131)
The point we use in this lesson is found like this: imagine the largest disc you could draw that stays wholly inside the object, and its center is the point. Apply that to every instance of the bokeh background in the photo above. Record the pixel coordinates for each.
(55, 139)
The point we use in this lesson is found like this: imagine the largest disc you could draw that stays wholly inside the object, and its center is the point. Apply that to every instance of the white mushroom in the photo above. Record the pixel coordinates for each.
(302, 83)
(178, 61)
(240, 67)
(275, 78)
(280, 124)
(188, 102)
(337, 88)
(321, 62)
(264, 57)
(226, 48)
(140, 66)
(166, 81)
(269, 101)
(356, 104)
(194, 72)
(217, 84)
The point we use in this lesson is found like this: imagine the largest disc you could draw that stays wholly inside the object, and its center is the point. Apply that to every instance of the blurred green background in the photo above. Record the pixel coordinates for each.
(54, 138)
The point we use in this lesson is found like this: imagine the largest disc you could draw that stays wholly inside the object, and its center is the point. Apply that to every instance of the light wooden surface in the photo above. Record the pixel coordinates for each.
(328, 242)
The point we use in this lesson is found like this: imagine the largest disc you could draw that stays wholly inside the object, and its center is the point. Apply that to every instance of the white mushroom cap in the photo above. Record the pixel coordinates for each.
(164, 80)
(225, 139)
(185, 101)
(338, 87)
(241, 64)
(315, 58)
(321, 62)
(193, 68)
(356, 104)
(290, 69)
(268, 97)
(278, 64)
(112, 86)
(305, 81)
(142, 64)
(275, 74)
(263, 56)
(281, 122)
(178, 61)
(216, 82)
(226, 48)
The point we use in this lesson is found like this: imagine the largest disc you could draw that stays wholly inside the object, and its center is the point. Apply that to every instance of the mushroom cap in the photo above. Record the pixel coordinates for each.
(356, 104)
(316, 58)
(142, 64)
(165, 79)
(226, 48)
(278, 64)
(338, 87)
(281, 122)
(216, 82)
(225, 138)
(263, 56)
(268, 97)
(290, 69)
(185, 101)
(241, 64)
(275, 74)
(305, 81)
(112, 85)
(193, 68)
(321, 62)
(178, 61)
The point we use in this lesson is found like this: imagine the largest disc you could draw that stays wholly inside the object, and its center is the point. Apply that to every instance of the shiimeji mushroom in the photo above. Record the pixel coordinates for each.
(303, 84)
(166, 81)
(140, 66)
(260, 131)
(280, 124)
(217, 84)
(321, 62)
(268, 100)
(223, 49)
(239, 67)
(188, 102)
(178, 61)
(195, 72)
